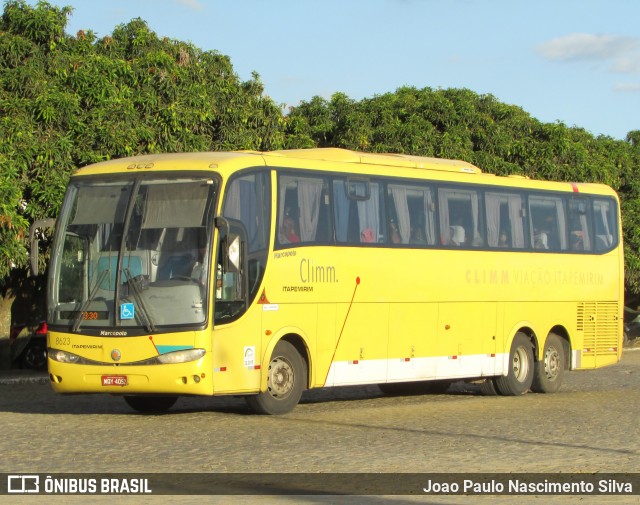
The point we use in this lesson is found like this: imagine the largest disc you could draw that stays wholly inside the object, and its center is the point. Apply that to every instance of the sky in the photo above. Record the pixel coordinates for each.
(573, 61)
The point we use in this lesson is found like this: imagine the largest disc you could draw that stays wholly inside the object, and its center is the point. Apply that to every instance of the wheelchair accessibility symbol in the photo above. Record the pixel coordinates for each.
(127, 311)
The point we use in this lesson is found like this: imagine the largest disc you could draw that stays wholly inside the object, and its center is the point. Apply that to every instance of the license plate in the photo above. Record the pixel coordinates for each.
(114, 380)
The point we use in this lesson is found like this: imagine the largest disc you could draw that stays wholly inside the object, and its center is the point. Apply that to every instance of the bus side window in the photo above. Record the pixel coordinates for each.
(413, 215)
(460, 220)
(548, 223)
(357, 211)
(505, 224)
(300, 200)
(579, 225)
(604, 224)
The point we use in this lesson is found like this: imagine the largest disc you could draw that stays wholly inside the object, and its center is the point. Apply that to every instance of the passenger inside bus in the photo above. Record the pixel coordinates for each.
(367, 235)
(577, 240)
(198, 273)
(394, 233)
(457, 235)
(540, 240)
(289, 233)
(289, 227)
(503, 240)
(418, 236)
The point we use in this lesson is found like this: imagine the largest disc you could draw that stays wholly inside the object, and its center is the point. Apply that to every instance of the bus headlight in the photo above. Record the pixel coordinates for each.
(180, 356)
(63, 356)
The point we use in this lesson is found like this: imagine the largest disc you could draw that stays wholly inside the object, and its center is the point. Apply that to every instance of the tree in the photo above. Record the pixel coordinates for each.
(67, 101)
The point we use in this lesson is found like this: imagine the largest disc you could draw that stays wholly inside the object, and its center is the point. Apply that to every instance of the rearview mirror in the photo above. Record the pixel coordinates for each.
(34, 241)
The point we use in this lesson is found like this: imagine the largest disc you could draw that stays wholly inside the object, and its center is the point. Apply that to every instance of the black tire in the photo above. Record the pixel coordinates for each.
(151, 404)
(286, 379)
(415, 387)
(549, 371)
(520, 375)
(34, 356)
(488, 387)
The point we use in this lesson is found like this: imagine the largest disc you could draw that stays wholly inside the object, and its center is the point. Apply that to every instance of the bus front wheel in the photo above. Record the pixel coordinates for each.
(286, 378)
(520, 374)
(548, 372)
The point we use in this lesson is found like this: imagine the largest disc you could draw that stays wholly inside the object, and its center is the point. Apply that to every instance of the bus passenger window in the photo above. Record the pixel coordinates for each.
(505, 223)
(357, 208)
(460, 219)
(300, 208)
(580, 225)
(412, 211)
(548, 222)
(604, 224)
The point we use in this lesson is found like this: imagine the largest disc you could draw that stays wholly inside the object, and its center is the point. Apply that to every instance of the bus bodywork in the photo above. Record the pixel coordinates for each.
(262, 274)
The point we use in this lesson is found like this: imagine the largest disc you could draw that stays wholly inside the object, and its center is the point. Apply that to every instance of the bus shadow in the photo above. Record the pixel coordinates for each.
(37, 397)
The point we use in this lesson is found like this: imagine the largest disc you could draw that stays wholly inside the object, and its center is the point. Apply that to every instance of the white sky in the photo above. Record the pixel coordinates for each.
(575, 61)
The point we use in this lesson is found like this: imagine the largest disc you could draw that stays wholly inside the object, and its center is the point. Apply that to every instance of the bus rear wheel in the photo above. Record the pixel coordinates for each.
(520, 375)
(286, 379)
(548, 372)
(151, 404)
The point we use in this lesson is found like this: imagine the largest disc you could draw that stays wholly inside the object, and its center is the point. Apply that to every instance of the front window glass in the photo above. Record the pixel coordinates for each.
(133, 254)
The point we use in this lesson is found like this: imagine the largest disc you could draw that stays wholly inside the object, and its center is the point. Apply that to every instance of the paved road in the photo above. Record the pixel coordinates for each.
(590, 425)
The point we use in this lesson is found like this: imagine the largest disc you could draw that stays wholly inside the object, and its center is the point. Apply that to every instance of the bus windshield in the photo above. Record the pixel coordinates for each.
(132, 254)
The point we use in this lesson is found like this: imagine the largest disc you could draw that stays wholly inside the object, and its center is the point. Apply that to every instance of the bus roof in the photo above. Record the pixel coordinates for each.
(389, 159)
(228, 161)
(200, 160)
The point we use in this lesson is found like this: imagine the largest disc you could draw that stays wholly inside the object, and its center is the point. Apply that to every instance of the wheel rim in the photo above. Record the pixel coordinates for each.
(552, 363)
(281, 377)
(520, 364)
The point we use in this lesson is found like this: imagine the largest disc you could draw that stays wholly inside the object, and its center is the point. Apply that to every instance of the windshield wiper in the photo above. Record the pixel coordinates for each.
(77, 322)
(137, 295)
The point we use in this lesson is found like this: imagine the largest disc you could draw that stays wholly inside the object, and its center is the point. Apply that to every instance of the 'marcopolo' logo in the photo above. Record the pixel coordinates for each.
(23, 484)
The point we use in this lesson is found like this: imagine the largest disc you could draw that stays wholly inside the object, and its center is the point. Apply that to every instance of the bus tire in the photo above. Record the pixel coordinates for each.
(433, 387)
(548, 372)
(151, 404)
(520, 375)
(286, 379)
(488, 387)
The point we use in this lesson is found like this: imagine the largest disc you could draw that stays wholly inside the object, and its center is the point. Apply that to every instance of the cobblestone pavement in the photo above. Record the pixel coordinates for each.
(590, 425)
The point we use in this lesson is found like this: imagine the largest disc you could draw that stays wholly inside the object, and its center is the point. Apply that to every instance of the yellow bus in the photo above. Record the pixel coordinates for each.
(263, 274)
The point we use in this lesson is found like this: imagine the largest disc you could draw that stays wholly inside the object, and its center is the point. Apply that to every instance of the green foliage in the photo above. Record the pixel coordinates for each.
(67, 101)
